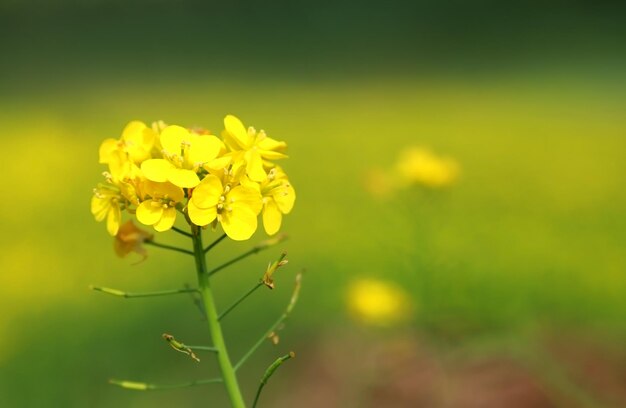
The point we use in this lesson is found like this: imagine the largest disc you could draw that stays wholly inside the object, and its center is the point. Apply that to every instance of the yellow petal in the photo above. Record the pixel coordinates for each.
(239, 224)
(204, 148)
(270, 144)
(235, 128)
(272, 217)
(167, 220)
(172, 138)
(149, 213)
(99, 207)
(156, 169)
(183, 178)
(201, 216)
(208, 192)
(108, 148)
(270, 155)
(161, 190)
(219, 163)
(285, 197)
(241, 196)
(254, 166)
(113, 220)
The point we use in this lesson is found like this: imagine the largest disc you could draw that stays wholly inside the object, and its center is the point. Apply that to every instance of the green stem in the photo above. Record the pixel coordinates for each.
(203, 348)
(269, 372)
(139, 386)
(282, 318)
(226, 367)
(217, 241)
(234, 260)
(241, 299)
(181, 232)
(120, 293)
(171, 248)
(256, 249)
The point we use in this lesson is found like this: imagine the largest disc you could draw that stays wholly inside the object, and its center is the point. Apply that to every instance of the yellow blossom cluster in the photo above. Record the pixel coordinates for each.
(160, 171)
(414, 166)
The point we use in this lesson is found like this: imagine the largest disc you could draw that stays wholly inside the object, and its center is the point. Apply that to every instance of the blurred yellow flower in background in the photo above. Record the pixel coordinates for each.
(379, 303)
(417, 165)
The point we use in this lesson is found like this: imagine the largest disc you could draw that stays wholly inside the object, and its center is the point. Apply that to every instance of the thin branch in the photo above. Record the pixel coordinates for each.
(282, 318)
(116, 292)
(203, 348)
(269, 372)
(217, 241)
(139, 386)
(241, 299)
(171, 248)
(256, 249)
(181, 232)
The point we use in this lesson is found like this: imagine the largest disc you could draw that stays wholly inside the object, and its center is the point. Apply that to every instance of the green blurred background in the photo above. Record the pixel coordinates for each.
(518, 272)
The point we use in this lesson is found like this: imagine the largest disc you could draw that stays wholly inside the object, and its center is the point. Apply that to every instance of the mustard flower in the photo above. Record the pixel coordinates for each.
(227, 201)
(133, 147)
(184, 153)
(159, 209)
(278, 199)
(106, 203)
(251, 147)
(421, 166)
(378, 303)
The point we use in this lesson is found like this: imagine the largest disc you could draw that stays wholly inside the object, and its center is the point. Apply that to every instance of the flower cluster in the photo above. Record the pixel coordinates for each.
(414, 166)
(158, 172)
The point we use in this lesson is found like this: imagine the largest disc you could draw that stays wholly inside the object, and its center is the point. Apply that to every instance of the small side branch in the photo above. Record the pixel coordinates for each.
(241, 299)
(120, 293)
(269, 372)
(181, 232)
(256, 249)
(170, 247)
(281, 319)
(139, 386)
(217, 241)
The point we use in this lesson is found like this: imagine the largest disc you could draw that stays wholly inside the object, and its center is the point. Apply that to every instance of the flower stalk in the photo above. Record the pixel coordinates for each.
(228, 372)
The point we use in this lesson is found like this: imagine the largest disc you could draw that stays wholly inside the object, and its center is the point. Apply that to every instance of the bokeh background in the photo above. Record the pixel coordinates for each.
(515, 273)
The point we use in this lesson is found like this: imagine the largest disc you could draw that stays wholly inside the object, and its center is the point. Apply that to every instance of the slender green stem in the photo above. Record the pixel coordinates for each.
(241, 299)
(181, 232)
(258, 248)
(203, 348)
(217, 241)
(268, 333)
(139, 386)
(226, 367)
(234, 260)
(269, 372)
(116, 292)
(171, 248)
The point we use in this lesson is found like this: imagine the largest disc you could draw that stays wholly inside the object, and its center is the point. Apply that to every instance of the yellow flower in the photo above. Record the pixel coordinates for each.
(416, 165)
(184, 154)
(228, 202)
(278, 199)
(133, 147)
(159, 210)
(106, 203)
(129, 239)
(251, 146)
(378, 303)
